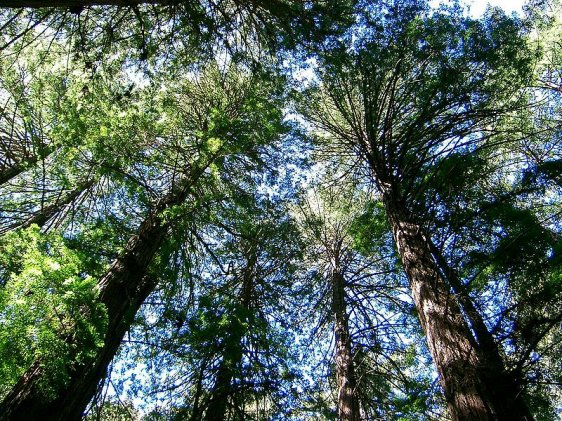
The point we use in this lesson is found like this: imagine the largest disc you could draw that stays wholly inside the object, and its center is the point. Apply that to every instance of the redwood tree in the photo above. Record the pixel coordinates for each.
(214, 147)
(400, 97)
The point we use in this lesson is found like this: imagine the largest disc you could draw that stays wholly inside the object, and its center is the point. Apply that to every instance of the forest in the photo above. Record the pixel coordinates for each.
(280, 210)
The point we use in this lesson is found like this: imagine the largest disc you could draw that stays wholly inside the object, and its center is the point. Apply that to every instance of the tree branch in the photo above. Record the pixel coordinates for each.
(74, 4)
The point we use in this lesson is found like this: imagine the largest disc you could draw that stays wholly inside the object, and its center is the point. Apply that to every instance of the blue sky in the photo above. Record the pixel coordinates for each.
(477, 7)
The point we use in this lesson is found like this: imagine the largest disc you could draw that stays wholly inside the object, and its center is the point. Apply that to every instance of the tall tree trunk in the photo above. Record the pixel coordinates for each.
(11, 171)
(348, 404)
(233, 351)
(123, 289)
(222, 390)
(449, 338)
(505, 390)
(42, 216)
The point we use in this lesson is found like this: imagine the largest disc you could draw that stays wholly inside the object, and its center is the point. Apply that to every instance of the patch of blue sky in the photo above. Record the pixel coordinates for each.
(478, 7)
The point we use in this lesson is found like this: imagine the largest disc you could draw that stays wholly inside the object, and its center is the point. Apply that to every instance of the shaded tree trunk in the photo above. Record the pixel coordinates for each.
(233, 351)
(348, 404)
(505, 390)
(222, 390)
(123, 289)
(10, 172)
(196, 412)
(6, 174)
(42, 216)
(449, 338)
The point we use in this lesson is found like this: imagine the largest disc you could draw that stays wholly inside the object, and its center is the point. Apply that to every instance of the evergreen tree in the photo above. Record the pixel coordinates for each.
(164, 238)
(400, 96)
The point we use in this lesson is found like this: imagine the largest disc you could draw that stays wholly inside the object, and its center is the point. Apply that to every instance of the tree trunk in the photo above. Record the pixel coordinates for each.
(42, 216)
(449, 338)
(505, 390)
(348, 404)
(222, 390)
(7, 173)
(233, 351)
(123, 289)
(196, 412)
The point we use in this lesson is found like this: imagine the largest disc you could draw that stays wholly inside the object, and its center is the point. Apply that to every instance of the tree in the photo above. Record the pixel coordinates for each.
(127, 281)
(152, 170)
(337, 257)
(400, 98)
(80, 118)
(222, 335)
(359, 294)
(260, 277)
(183, 29)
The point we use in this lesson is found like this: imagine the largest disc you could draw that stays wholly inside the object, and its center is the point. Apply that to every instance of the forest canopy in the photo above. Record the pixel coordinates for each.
(280, 210)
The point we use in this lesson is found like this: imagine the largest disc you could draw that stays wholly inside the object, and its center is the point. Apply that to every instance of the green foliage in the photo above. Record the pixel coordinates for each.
(369, 228)
(114, 411)
(48, 308)
(135, 104)
(544, 173)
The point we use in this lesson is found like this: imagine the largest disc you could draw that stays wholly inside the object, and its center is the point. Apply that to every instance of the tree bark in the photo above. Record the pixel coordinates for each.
(348, 404)
(123, 289)
(505, 390)
(449, 338)
(233, 351)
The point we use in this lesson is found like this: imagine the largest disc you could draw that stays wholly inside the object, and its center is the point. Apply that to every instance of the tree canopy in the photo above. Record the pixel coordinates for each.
(280, 210)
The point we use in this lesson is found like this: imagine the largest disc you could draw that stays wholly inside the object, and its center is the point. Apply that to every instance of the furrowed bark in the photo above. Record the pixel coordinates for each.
(449, 338)
(123, 289)
(348, 404)
(505, 390)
